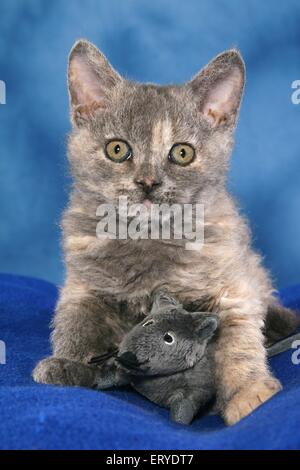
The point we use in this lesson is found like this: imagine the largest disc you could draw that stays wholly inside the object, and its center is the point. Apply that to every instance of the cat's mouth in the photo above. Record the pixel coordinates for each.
(149, 200)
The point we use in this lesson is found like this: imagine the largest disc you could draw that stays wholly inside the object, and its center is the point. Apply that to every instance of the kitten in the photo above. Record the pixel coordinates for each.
(122, 144)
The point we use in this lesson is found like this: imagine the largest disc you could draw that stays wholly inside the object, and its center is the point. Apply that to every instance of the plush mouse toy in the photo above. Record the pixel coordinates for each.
(169, 358)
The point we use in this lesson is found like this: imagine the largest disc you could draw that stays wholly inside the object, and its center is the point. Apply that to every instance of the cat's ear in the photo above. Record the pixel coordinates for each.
(218, 88)
(205, 324)
(161, 300)
(91, 80)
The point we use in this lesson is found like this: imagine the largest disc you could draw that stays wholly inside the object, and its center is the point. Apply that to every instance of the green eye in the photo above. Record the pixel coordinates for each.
(182, 154)
(118, 150)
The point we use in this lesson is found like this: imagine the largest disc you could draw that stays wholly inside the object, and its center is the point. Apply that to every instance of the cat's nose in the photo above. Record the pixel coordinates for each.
(148, 183)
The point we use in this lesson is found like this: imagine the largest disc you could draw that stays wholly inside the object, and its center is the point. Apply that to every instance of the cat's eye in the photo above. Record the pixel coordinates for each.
(169, 338)
(118, 150)
(182, 154)
(149, 322)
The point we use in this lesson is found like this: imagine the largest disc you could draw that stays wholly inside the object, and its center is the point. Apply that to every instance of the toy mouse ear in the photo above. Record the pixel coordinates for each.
(161, 300)
(206, 324)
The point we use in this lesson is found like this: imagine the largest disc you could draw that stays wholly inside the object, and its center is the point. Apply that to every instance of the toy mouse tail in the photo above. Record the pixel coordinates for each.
(280, 322)
(283, 345)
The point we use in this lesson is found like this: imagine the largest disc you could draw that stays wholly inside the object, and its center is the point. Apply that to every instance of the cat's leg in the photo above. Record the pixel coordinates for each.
(109, 375)
(61, 371)
(84, 326)
(242, 376)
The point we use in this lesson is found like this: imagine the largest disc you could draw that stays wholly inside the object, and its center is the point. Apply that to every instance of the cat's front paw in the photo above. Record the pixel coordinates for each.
(249, 398)
(59, 371)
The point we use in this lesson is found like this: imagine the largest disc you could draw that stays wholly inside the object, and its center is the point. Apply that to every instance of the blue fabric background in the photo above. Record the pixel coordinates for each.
(47, 417)
(161, 41)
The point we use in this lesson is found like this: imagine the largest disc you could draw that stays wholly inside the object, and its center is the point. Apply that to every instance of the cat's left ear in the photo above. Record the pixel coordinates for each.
(91, 80)
(218, 88)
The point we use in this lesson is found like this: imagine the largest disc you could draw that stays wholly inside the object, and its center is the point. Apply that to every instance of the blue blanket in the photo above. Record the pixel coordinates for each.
(46, 417)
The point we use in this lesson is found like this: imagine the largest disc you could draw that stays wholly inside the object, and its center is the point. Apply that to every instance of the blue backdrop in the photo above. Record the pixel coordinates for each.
(159, 41)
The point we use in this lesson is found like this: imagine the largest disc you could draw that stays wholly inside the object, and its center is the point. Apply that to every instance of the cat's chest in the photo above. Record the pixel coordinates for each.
(133, 270)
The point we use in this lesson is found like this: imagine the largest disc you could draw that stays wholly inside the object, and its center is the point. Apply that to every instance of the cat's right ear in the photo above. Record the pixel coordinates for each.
(91, 80)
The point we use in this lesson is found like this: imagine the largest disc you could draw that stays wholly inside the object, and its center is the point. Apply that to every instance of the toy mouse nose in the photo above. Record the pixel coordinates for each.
(128, 359)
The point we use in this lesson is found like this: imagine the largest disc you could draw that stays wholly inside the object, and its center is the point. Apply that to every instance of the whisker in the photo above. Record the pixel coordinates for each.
(103, 357)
